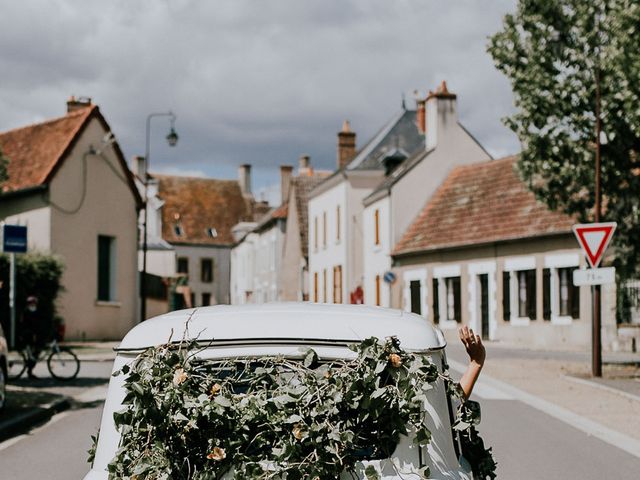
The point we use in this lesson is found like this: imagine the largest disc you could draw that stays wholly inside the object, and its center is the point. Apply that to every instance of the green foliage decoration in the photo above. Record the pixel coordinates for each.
(554, 52)
(271, 417)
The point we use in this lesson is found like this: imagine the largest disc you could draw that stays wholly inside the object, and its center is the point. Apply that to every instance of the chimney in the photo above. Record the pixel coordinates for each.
(244, 178)
(421, 114)
(304, 166)
(138, 167)
(441, 114)
(74, 104)
(346, 145)
(285, 181)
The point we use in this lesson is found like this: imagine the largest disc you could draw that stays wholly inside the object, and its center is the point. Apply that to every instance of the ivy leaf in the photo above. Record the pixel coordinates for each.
(371, 473)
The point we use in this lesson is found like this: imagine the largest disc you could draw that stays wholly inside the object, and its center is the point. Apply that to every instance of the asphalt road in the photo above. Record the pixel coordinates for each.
(527, 444)
(55, 451)
(530, 445)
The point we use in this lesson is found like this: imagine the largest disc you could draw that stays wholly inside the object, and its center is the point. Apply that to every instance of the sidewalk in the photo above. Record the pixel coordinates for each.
(94, 351)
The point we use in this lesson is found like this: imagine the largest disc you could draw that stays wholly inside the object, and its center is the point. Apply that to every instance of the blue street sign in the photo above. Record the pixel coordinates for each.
(14, 239)
(389, 277)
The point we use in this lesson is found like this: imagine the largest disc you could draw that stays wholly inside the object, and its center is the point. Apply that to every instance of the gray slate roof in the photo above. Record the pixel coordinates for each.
(400, 134)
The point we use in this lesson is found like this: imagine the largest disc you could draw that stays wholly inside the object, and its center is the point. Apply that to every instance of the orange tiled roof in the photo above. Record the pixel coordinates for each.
(481, 203)
(35, 151)
(200, 204)
(281, 212)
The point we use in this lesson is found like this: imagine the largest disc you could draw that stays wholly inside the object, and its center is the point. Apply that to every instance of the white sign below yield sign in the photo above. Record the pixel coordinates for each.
(594, 238)
(594, 276)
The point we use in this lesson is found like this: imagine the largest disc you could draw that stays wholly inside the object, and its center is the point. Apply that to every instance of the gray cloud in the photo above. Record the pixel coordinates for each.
(255, 82)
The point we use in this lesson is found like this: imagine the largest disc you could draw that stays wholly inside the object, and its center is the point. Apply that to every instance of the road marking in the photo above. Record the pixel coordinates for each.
(612, 437)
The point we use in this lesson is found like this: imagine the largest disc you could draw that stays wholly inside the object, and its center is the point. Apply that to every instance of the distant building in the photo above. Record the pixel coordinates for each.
(485, 253)
(410, 180)
(198, 215)
(70, 185)
(267, 263)
(295, 280)
(335, 206)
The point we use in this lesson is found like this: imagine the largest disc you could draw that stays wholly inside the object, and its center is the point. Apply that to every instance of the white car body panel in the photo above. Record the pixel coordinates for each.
(282, 329)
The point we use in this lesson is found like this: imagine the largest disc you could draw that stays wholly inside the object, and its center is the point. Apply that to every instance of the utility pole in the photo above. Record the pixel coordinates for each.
(596, 344)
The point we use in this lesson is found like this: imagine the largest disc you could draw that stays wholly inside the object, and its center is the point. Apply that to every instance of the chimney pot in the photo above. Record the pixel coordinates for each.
(74, 104)
(346, 145)
(244, 178)
(285, 181)
(421, 115)
(138, 167)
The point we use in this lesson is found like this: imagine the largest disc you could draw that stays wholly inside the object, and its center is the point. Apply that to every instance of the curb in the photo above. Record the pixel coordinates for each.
(606, 388)
(24, 421)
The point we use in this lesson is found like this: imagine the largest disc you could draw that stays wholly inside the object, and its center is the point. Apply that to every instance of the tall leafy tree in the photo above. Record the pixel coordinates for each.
(557, 54)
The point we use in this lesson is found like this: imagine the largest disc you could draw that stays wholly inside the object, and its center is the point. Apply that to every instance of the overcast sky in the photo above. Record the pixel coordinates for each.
(258, 81)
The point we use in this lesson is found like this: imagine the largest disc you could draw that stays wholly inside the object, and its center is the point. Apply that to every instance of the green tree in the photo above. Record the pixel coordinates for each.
(36, 274)
(556, 53)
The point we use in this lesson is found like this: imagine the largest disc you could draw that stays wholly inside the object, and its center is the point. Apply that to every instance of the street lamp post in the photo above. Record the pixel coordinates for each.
(172, 140)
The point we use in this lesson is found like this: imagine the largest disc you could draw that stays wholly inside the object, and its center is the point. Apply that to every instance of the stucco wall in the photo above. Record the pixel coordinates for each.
(293, 263)
(410, 194)
(89, 197)
(376, 257)
(493, 260)
(33, 213)
(336, 251)
(219, 288)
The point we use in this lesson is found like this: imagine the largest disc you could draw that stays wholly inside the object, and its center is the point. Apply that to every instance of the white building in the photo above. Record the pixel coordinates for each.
(335, 206)
(485, 253)
(257, 258)
(408, 184)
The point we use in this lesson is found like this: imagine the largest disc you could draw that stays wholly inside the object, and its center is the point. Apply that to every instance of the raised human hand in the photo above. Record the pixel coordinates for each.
(473, 344)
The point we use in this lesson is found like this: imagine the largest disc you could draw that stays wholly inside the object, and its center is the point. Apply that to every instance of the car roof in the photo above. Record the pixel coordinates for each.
(296, 323)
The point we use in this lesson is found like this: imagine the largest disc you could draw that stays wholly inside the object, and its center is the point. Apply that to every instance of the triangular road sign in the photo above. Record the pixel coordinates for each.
(594, 238)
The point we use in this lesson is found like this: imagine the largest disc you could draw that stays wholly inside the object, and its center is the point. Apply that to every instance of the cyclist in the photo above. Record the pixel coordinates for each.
(33, 328)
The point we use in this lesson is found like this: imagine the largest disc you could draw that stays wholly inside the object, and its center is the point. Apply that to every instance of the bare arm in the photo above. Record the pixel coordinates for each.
(477, 354)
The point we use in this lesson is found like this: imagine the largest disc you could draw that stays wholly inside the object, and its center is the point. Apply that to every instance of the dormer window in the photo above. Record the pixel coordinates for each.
(211, 232)
(177, 230)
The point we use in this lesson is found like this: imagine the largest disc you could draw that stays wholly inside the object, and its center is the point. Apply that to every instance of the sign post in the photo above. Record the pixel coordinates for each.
(14, 240)
(594, 239)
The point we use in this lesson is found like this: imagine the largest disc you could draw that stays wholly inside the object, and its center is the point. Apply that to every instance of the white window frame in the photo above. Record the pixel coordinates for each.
(553, 263)
(441, 273)
(513, 265)
(475, 270)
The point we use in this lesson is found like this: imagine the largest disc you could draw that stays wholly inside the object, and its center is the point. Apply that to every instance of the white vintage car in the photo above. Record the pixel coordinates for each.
(281, 329)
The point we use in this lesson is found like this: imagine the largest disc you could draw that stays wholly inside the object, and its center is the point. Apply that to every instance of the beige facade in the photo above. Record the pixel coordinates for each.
(87, 199)
(482, 272)
(108, 208)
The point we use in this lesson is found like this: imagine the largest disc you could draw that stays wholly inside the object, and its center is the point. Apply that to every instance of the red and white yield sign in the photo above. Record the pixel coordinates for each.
(594, 238)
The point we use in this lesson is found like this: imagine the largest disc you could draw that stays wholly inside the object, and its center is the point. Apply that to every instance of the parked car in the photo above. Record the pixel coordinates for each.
(281, 329)
(4, 350)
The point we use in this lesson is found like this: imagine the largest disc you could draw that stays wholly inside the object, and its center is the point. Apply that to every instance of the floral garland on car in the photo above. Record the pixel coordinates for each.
(273, 417)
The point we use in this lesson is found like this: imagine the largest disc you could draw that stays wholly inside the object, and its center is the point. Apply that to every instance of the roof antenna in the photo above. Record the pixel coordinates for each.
(404, 106)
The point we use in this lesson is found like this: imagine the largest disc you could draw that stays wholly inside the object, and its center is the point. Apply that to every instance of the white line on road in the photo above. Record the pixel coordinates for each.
(612, 437)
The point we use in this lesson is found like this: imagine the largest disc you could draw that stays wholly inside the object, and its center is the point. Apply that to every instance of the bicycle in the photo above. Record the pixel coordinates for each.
(62, 363)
